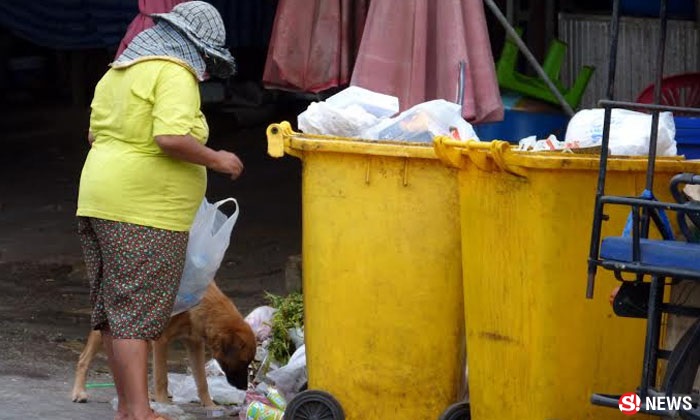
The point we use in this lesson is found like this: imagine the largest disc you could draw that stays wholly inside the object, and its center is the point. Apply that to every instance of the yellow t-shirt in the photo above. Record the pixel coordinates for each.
(126, 176)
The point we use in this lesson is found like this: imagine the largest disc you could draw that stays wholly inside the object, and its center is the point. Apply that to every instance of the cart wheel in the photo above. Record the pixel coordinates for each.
(459, 411)
(314, 405)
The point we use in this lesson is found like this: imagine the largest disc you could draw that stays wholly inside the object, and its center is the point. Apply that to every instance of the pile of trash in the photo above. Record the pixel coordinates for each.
(360, 113)
(629, 134)
(278, 372)
(277, 376)
(279, 369)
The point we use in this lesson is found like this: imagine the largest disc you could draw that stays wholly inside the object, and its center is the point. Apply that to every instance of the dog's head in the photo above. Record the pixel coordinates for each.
(235, 352)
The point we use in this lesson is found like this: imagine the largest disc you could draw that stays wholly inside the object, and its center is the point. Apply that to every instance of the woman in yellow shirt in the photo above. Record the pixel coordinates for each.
(142, 182)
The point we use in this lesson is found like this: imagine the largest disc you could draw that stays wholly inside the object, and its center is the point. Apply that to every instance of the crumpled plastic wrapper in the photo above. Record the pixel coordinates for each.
(184, 390)
(170, 410)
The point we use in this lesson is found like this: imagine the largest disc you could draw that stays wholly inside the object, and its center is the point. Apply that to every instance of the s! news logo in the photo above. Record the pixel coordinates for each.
(630, 403)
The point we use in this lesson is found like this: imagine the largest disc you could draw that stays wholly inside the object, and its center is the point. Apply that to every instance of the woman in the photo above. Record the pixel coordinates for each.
(142, 183)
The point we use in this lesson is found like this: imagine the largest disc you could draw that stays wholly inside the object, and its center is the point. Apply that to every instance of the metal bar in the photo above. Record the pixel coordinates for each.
(604, 103)
(460, 84)
(602, 172)
(690, 311)
(605, 400)
(631, 201)
(651, 344)
(653, 270)
(636, 251)
(528, 55)
(653, 140)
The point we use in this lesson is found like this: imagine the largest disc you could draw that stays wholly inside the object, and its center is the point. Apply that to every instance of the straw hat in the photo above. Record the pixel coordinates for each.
(202, 24)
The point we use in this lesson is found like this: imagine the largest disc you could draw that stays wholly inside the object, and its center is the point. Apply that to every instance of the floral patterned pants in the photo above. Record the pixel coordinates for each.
(134, 273)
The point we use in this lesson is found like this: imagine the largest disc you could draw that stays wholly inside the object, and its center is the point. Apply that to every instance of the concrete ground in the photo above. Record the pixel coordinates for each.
(44, 302)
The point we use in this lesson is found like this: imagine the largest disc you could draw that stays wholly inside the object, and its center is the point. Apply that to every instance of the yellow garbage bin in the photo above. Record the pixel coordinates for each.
(538, 349)
(382, 277)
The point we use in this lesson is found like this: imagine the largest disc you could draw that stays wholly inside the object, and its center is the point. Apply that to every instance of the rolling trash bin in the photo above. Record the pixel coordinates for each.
(537, 347)
(382, 278)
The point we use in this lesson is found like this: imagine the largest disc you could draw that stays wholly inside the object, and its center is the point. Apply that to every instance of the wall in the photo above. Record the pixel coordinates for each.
(588, 39)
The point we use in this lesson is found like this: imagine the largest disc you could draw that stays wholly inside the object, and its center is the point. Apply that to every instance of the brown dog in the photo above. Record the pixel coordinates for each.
(216, 323)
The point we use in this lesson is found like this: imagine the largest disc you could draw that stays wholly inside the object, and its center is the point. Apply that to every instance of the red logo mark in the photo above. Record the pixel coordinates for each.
(629, 403)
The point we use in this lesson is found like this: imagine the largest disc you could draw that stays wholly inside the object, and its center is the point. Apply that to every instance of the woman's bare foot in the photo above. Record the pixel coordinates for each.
(122, 416)
(158, 416)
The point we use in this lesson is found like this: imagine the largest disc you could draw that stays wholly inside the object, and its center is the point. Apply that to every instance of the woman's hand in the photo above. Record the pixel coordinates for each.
(227, 163)
(187, 148)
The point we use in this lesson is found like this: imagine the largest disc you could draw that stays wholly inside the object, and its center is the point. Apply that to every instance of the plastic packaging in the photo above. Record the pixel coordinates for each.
(322, 118)
(209, 238)
(551, 143)
(347, 113)
(290, 378)
(184, 390)
(216, 412)
(377, 104)
(423, 122)
(629, 131)
(260, 320)
(297, 337)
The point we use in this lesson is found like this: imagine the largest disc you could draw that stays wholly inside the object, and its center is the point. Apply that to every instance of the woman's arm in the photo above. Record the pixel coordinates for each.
(188, 149)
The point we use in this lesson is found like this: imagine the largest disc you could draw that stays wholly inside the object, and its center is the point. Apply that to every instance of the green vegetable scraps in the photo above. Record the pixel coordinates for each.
(289, 315)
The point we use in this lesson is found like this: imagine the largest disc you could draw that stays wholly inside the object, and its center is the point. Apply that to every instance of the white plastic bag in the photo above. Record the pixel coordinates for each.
(172, 411)
(297, 336)
(260, 320)
(422, 123)
(184, 390)
(209, 238)
(323, 118)
(377, 104)
(290, 378)
(630, 131)
(347, 113)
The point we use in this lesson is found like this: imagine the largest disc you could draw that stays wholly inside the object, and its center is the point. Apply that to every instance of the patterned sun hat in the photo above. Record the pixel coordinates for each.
(202, 24)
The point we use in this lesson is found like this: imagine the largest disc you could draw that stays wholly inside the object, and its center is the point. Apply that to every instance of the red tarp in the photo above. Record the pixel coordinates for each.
(314, 43)
(142, 21)
(412, 48)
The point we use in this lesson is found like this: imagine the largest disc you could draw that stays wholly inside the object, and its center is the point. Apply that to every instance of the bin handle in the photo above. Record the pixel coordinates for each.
(448, 151)
(278, 137)
(451, 152)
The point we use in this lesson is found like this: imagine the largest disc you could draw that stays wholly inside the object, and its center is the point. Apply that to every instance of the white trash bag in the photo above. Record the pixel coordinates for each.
(209, 238)
(260, 321)
(184, 389)
(290, 378)
(377, 104)
(630, 131)
(347, 113)
(423, 122)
